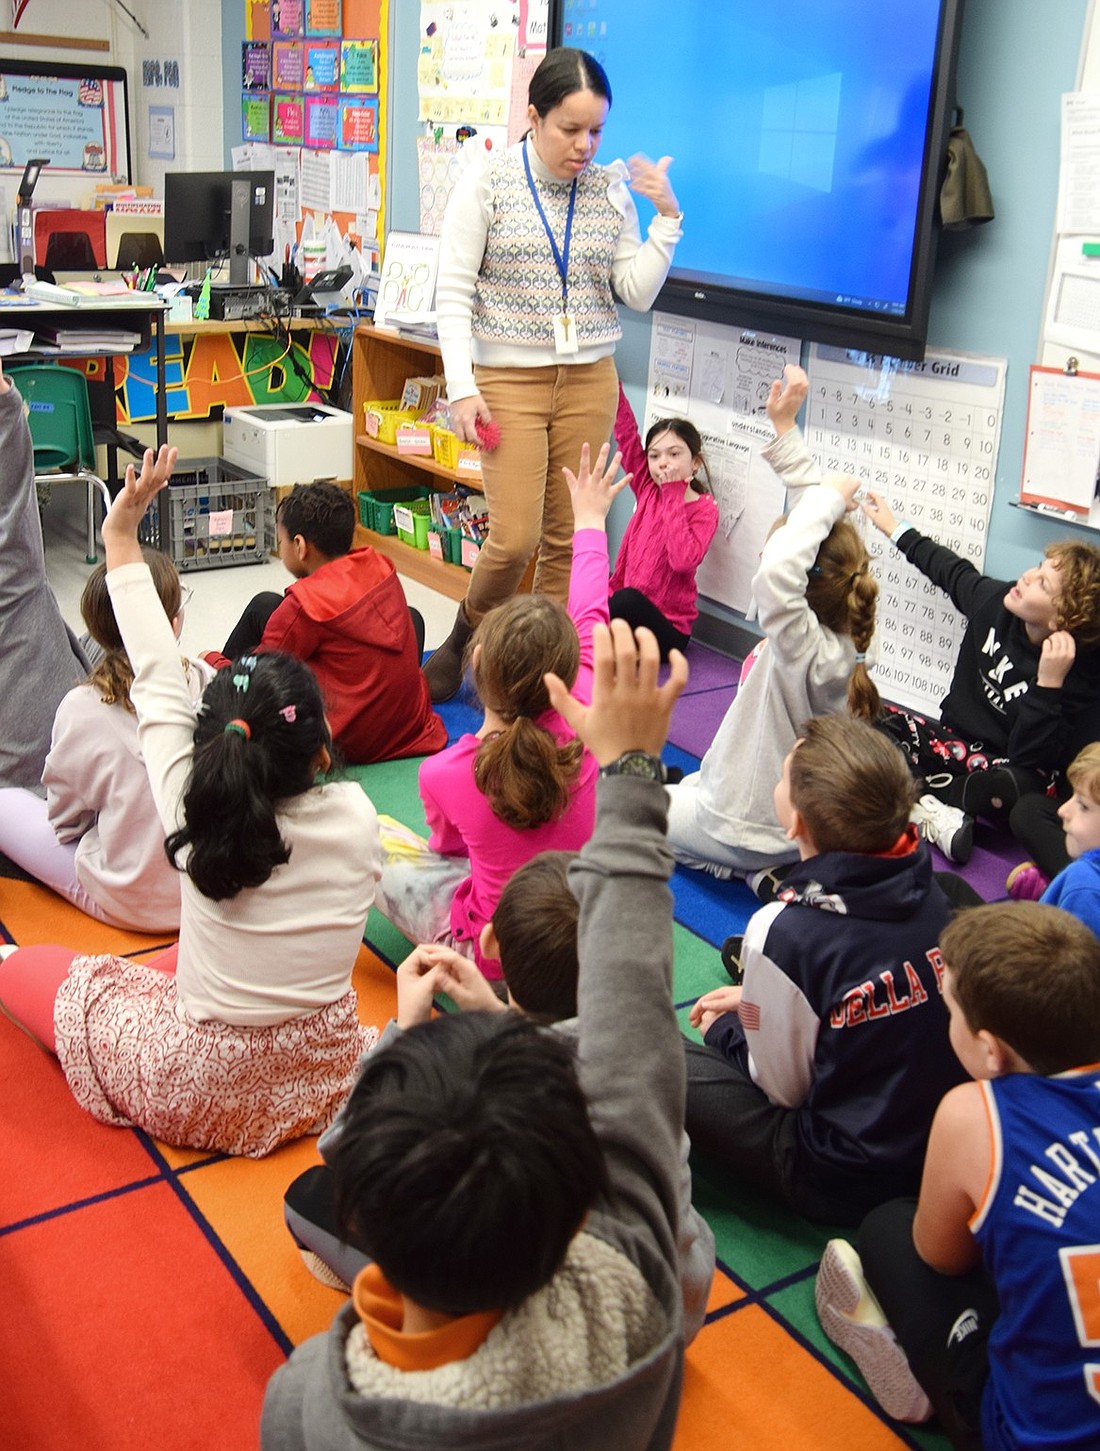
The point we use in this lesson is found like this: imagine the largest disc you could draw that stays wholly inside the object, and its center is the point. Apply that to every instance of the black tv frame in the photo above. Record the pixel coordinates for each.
(729, 300)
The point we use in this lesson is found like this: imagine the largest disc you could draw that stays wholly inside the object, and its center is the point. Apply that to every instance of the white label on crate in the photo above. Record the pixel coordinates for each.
(220, 523)
(403, 518)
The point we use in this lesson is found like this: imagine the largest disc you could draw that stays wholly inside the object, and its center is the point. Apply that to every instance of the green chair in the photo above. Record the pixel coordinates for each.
(60, 419)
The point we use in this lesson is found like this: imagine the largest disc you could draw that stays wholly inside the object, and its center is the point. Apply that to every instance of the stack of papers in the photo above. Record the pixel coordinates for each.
(85, 340)
(90, 294)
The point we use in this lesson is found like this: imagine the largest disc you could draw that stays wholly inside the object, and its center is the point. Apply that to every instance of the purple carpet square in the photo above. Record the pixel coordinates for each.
(697, 716)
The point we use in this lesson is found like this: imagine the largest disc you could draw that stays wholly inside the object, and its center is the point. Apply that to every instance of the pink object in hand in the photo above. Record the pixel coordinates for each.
(488, 435)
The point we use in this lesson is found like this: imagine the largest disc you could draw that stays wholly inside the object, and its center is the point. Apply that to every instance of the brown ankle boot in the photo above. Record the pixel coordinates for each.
(443, 668)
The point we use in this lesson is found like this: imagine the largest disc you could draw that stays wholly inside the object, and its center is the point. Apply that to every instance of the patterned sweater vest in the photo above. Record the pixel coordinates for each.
(519, 290)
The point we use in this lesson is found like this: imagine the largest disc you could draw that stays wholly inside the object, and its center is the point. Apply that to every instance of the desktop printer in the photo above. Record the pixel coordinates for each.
(289, 443)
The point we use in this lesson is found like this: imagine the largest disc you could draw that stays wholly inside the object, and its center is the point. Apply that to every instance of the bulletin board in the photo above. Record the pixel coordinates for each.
(475, 63)
(313, 109)
(925, 436)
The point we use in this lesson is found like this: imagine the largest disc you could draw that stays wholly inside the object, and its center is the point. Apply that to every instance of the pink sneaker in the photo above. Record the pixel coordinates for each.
(1026, 883)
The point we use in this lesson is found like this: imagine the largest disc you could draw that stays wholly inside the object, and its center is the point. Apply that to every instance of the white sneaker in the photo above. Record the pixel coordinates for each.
(853, 1320)
(947, 827)
(7, 948)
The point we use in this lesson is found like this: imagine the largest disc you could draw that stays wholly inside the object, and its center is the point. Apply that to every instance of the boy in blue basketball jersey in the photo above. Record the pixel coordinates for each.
(981, 1302)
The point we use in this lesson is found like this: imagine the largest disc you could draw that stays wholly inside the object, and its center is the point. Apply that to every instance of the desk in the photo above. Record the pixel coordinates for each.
(148, 320)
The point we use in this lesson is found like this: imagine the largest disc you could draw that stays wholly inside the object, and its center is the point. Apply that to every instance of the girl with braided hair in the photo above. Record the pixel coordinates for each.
(247, 1034)
(816, 599)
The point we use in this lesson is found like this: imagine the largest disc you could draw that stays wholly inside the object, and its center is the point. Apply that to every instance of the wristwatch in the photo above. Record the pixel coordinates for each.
(637, 763)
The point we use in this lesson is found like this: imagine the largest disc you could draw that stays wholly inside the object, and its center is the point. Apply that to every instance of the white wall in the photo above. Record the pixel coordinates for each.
(185, 33)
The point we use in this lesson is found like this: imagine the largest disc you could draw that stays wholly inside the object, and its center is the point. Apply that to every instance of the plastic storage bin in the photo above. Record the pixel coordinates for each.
(376, 507)
(381, 417)
(217, 515)
(411, 520)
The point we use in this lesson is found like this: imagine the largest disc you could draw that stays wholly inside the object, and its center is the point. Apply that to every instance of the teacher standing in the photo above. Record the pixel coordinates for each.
(534, 239)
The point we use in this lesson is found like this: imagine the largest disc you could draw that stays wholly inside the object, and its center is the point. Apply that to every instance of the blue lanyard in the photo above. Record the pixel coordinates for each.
(561, 258)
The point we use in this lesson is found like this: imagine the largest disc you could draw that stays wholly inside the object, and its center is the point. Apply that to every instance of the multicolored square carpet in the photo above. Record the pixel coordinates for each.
(149, 1293)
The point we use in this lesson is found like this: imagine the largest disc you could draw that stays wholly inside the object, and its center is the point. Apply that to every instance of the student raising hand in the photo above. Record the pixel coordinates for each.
(629, 711)
(593, 488)
(120, 527)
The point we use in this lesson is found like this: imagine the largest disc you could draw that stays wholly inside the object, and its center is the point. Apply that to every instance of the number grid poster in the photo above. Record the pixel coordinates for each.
(925, 436)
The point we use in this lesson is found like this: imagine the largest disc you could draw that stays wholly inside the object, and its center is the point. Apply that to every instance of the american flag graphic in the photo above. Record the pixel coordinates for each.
(91, 93)
(749, 1013)
(17, 8)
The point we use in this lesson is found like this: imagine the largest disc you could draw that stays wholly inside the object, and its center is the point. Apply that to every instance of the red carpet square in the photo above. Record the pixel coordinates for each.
(130, 1333)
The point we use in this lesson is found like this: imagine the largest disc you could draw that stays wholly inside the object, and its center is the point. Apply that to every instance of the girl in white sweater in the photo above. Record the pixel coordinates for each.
(249, 1035)
(96, 839)
(816, 599)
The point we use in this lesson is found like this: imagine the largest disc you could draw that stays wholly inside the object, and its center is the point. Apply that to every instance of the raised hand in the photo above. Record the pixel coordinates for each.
(592, 488)
(847, 486)
(120, 527)
(1056, 659)
(629, 710)
(786, 397)
(650, 179)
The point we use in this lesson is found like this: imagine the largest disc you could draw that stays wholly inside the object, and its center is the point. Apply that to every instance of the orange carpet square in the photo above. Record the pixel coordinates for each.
(747, 1383)
(33, 915)
(243, 1202)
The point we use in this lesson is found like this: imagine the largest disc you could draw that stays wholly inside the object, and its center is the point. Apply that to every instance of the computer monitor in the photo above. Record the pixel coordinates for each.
(214, 214)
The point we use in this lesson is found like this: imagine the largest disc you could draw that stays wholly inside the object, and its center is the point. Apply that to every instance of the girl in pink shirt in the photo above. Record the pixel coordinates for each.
(673, 523)
(522, 784)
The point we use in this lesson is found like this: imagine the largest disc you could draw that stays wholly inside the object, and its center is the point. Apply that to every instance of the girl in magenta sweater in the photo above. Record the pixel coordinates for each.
(673, 523)
(521, 784)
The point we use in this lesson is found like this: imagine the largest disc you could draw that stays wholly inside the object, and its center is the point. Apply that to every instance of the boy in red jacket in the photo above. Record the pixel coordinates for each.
(347, 618)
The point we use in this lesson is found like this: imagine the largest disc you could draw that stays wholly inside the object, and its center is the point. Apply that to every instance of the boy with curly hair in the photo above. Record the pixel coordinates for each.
(1025, 692)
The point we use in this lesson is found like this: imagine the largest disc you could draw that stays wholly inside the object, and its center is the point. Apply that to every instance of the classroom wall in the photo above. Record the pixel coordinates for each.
(1016, 59)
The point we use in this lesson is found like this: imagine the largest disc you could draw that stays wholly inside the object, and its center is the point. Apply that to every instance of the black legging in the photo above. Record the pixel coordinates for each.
(1034, 823)
(249, 629)
(924, 1308)
(636, 609)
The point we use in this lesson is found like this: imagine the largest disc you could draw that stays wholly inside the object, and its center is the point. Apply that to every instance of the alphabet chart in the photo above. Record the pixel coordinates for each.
(925, 436)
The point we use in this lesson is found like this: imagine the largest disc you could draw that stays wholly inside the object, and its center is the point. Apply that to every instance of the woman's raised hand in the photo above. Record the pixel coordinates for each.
(879, 512)
(650, 179)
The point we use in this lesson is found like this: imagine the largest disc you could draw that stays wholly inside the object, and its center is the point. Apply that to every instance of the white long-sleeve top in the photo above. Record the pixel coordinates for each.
(97, 794)
(638, 268)
(280, 950)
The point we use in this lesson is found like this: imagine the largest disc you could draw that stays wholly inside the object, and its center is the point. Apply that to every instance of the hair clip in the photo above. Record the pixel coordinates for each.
(241, 727)
(248, 661)
(241, 682)
(289, 713)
